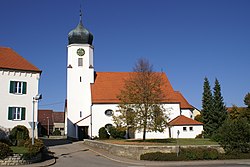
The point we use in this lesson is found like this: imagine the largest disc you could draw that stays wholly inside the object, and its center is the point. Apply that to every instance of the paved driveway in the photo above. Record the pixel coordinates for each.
(79, 155)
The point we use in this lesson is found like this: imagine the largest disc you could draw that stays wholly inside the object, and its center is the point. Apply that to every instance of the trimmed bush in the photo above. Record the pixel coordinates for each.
(199, 153)
(5, 150)
(34, 149)
(57, 133)
(159, 156)
(117, 133)
(190, 153)
(18, 135)
(103, 134)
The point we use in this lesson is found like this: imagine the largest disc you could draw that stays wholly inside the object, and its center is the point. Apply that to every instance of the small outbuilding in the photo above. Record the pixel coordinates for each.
(184, 127)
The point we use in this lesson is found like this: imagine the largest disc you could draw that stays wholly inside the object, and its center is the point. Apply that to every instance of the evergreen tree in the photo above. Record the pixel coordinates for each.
(207, 108)
(219, 108)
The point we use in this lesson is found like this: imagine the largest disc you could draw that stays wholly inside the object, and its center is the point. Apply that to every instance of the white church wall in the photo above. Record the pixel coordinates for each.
(79, 78)
(18, 100)
(99, 118)
(187, 112)
(186, 131)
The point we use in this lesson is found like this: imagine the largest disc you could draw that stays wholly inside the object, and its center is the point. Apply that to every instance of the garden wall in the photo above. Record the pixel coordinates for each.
(134, 152)
(17, 159)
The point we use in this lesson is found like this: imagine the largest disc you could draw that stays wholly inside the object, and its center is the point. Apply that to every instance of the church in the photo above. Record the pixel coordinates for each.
(92, 96)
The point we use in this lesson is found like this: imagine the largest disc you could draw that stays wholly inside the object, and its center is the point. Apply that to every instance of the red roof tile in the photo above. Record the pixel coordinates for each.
(44, 115)
(108, 85)
(58, 117)
(9, 59)
(182, 120)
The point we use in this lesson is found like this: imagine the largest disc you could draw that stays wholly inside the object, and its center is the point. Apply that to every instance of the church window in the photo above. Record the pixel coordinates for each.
(108, 126)
(184, 129)
(191, 128)
(80, 79)
(80, 113)
(80, 62)
(109, 112)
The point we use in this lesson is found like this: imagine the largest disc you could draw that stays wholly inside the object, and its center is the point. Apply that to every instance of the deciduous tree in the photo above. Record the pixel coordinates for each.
(140, 98)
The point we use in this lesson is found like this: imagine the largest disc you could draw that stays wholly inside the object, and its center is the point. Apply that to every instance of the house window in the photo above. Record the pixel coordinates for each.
(191, 129)
(184, 129)
(80, 62)
(18, 87)
(16, 113)
(109, 112)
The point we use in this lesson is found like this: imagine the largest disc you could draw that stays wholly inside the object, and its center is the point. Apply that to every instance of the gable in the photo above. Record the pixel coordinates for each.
(182, 120)
(107, 87)
(9, 59)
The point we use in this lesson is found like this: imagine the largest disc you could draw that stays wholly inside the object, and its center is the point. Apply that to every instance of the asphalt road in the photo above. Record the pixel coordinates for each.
(79, 155)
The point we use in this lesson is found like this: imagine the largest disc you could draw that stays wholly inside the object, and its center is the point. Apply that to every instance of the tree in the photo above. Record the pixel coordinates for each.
(234, 136)
(207, 108)
(247, 100)
(220, 111)
(140, 99)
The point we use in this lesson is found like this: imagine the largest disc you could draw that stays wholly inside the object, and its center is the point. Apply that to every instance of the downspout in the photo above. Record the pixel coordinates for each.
(91, 128)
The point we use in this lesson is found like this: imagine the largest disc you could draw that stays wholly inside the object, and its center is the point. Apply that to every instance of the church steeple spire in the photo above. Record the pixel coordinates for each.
(80, 35)
(80, 14)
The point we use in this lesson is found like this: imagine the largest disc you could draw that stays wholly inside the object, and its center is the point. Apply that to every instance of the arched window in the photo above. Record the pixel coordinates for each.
(109, 112)
(108, 126)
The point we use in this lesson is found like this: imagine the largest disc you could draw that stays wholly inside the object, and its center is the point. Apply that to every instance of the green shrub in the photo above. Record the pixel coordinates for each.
(57, 132)
(5, 150)
(117, 133)
(103, 134)
(234, 136)
(19, 134)
(159, 156)
(198, 153)
(34, 149)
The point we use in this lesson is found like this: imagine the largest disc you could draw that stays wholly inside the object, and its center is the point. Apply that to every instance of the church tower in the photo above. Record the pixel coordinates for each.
(80, 76)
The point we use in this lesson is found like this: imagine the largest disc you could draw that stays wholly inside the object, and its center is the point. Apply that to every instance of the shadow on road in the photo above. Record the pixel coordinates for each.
(54, 142)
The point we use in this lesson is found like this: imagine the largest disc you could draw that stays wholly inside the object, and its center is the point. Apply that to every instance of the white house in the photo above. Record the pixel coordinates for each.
(184, 127)
(92, 96)
(18, 84)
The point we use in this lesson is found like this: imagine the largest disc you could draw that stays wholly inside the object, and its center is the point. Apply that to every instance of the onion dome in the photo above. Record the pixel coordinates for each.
(80, 35)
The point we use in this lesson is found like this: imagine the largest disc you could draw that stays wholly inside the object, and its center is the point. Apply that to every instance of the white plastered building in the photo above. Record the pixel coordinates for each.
(92, 96)
(19, 81)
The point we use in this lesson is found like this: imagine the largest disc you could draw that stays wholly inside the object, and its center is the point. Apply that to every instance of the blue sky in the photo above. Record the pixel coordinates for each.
(187, 39)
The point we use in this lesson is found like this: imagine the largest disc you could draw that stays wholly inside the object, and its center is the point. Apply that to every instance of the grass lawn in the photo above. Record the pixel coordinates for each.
(168, 142)
(19, 150)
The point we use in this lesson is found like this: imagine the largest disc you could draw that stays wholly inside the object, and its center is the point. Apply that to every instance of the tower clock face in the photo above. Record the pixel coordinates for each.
(80, 52)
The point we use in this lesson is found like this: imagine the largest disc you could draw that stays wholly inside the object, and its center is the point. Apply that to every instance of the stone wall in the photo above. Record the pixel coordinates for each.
(17, 159)
(133, 151)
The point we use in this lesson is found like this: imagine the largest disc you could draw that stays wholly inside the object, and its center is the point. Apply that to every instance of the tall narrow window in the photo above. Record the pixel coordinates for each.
(80, 114)
(80, 79)
(80, 62)
(16, 113)
(18, 87)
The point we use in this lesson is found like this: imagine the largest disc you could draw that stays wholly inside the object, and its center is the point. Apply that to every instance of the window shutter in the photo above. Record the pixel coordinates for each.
(24, 88)
(12, 86)
(10, 113)
(23, 114)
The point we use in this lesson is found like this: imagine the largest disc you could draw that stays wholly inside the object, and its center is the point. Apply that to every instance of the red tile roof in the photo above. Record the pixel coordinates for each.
(108, 85)
(9, 59)
(58, 117)
(54, 117)
(44, 115)
(182, 120)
